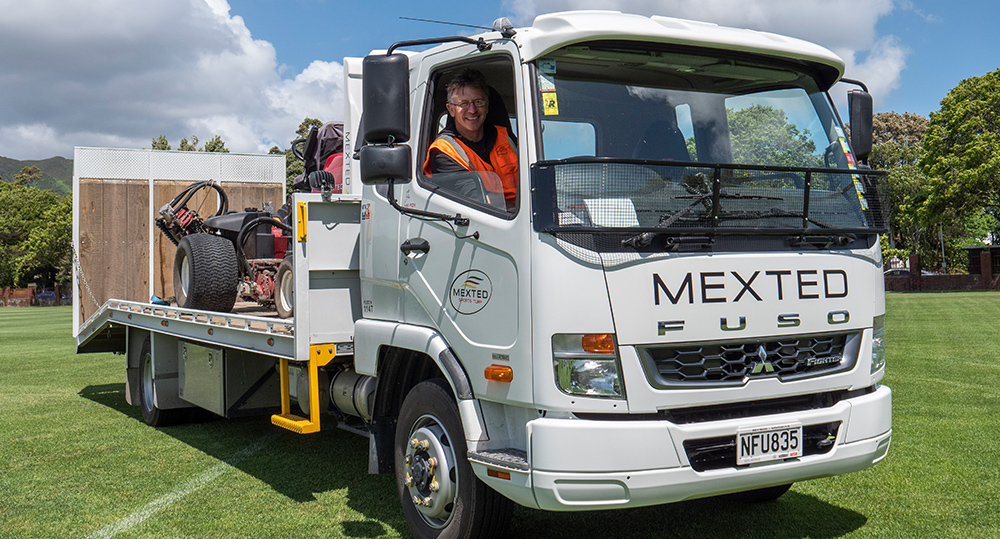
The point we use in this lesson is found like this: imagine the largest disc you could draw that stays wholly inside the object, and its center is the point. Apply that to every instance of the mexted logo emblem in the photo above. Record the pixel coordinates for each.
(471, 291)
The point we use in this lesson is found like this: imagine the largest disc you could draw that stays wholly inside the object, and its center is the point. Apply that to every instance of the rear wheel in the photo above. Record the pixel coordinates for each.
(284, 292)
(440, 495)
(205, 273)
(151, 415)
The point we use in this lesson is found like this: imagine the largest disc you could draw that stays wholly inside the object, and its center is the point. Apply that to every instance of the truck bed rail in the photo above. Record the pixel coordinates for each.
(105, 330)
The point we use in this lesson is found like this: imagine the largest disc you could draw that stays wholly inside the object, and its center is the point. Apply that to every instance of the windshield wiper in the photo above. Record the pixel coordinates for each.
(773, 212)
(643, 239)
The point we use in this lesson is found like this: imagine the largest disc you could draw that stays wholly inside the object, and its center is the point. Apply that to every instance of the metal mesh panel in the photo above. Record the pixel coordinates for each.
(126, 164)
(607, 194)
(112, 164)
(252, 168)
(187, 166)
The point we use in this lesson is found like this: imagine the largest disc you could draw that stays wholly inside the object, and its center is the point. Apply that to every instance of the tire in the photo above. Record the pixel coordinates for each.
(284, 289)
(205, 273)
(151, 415)
(459, 505)
(761, 495)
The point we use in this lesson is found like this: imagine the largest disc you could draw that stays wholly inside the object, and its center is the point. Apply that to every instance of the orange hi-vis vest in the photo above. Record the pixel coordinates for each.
(503, 163)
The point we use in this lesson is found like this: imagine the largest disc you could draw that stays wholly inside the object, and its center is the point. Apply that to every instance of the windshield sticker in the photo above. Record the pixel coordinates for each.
(546, 83)
(547, 86)
(550, 104)
(547, 65)
(471, 291)
(859, 188)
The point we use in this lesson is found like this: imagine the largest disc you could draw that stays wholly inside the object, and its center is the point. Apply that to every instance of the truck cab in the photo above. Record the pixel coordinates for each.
(686, 299)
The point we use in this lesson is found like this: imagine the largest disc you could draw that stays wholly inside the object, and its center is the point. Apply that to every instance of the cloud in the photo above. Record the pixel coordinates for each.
(120, 72)
(847, 27)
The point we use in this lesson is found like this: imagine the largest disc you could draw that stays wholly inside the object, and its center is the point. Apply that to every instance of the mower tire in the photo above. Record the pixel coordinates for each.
(206, 273)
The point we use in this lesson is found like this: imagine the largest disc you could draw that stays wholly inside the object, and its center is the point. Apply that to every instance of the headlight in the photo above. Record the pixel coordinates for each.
(878, 343)
(587, 365)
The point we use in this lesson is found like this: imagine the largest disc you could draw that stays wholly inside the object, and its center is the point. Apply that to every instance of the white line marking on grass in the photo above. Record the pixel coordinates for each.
(194, 484)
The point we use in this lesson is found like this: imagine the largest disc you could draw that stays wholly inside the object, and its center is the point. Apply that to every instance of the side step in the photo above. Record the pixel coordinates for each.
(294, 423)
(319, 356)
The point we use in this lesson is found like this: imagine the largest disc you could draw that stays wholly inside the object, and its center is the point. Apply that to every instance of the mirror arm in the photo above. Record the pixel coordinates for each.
(856, 83)
(457, 218)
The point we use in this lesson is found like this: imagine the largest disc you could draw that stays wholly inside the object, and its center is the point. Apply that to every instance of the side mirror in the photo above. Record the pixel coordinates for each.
(386, 98)
(382, 163)
(859, 106)
(385, 124)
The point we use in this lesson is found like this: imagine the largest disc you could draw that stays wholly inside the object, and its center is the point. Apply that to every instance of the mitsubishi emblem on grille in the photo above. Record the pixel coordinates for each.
(764, 365)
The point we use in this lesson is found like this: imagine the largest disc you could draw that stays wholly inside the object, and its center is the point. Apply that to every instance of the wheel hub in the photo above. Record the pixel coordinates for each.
(285, 295)
(185, 275)
(429, 461)
(147, 382)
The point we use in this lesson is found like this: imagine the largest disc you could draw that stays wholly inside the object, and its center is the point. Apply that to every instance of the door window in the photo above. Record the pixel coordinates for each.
(470, 153)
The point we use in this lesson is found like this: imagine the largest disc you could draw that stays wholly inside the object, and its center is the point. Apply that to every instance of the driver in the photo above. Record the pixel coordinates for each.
(471, 145)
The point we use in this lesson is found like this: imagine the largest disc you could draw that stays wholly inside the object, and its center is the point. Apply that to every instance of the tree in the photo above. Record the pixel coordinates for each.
(898, 145)
(22, 210)
(897, 139)
(186, 146)
(215, 144)
(160, 143)
(28, 176)
(48, 248)
(962, 151)
(762, 135)
(306, 125)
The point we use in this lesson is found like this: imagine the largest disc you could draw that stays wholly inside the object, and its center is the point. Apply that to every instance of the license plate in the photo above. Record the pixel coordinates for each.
(764, 444)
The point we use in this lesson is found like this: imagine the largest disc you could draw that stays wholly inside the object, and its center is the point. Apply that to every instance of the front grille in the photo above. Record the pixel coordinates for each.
(716, 453)
(735, 362)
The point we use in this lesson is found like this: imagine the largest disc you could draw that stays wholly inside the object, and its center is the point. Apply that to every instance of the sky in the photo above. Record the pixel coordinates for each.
(119, 73)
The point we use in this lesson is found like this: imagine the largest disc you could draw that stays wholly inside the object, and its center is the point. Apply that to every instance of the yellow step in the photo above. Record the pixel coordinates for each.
(294, 423)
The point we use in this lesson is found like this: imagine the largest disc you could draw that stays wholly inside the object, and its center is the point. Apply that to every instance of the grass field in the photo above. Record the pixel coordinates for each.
(77, 461)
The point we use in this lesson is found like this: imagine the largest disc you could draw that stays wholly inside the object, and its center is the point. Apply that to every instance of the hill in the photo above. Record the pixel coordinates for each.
(57, 172)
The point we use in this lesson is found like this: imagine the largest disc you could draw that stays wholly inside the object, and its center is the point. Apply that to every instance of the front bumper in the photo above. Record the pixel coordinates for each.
(589, 465)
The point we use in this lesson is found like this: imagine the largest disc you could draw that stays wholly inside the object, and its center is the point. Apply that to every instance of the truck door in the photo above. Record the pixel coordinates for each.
(469, 282)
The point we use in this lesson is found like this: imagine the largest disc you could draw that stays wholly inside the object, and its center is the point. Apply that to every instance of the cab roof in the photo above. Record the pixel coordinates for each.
(556, 30)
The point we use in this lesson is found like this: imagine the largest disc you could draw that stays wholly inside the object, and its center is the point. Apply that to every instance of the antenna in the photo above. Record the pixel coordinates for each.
(501, 25)
(446, 22)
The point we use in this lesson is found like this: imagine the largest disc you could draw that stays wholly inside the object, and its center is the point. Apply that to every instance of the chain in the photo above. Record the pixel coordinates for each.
(79, 270)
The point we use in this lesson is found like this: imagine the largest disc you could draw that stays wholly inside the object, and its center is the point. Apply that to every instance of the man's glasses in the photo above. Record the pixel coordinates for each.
(479, 103)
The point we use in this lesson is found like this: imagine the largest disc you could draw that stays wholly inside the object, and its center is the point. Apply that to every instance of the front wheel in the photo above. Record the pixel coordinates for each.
(440, 495)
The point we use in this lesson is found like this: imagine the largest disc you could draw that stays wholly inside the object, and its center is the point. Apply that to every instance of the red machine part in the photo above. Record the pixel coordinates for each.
(280, 242)
(184, 217)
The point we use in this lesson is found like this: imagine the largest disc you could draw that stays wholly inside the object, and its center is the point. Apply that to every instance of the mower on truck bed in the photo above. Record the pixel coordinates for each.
(228, 254)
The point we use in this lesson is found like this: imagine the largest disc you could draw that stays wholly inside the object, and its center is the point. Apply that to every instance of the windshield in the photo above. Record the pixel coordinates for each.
(688, 138)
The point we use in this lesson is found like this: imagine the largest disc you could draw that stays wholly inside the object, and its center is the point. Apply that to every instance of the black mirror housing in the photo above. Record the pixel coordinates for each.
(859, 106)
(386, 98)
(382, 163)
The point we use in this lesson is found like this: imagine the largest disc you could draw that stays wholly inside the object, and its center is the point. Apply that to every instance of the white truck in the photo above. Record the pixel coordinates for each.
(686, 300)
